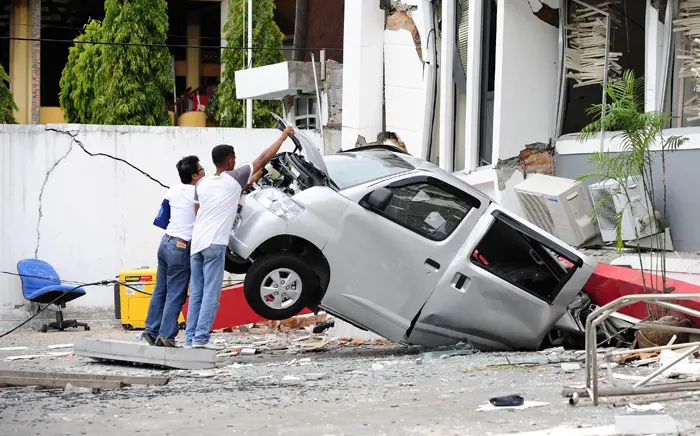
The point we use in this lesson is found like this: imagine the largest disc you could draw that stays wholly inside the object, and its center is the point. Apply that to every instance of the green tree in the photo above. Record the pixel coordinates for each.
(120, 84)
(7, 100)
(639, 131)
(230, 111)
(80, 78)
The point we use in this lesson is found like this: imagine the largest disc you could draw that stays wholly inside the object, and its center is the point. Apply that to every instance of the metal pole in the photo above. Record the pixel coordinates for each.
(319, 108)
(249, 102)
(606, 69)
(651, 376)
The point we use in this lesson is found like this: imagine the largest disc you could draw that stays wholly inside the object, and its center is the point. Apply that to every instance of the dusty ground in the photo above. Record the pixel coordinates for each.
(350, 390)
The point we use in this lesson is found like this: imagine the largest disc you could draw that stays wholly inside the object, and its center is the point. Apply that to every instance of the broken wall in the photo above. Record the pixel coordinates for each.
(91, 217)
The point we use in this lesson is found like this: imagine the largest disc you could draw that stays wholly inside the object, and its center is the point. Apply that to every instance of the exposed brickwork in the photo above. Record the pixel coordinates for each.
(36, 61)
(402, 20)
(538, 159)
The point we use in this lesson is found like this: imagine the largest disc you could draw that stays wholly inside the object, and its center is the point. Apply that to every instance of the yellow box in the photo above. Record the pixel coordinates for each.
(130, 306)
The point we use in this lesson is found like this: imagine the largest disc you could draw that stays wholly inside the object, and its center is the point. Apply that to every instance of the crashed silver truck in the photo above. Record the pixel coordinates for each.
(395, 245)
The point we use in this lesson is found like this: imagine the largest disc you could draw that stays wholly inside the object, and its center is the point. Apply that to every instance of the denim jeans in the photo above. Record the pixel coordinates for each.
(205, 290)
(170, 293)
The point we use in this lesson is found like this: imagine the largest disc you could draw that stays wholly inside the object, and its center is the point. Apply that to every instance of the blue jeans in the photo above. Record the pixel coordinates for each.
(205, 290)
(170, 293)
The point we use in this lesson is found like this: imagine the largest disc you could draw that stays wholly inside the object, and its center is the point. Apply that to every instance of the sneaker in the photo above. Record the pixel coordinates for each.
(148, 338)
(163, 342)
(209, 346)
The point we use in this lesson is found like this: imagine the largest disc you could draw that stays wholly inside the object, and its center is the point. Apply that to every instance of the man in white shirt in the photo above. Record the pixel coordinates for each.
(216, 202)
(173, 275)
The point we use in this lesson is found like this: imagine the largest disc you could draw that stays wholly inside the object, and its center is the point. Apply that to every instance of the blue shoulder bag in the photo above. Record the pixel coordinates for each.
(163, 218)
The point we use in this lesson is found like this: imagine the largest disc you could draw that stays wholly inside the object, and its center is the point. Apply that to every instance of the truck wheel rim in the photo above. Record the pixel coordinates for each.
(281, 288)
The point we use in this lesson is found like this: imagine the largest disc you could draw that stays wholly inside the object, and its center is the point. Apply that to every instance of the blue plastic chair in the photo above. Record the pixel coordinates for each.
(42, 285)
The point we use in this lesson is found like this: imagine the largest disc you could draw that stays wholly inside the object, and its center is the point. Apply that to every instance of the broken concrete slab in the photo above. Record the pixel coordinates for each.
(76, 378)
(645, 424)
(179, 358)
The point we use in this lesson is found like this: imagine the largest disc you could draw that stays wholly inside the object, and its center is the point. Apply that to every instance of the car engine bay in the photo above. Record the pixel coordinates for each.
(291, 173)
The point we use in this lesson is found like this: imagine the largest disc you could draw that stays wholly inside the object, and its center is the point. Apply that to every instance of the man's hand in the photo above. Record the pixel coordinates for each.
(271, 151)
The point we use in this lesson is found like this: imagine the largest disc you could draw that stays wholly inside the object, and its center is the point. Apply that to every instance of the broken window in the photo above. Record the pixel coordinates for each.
(584, 53)
(525, 263)
(428, 209)
(682, 96)
(488, 83)
(305, 112)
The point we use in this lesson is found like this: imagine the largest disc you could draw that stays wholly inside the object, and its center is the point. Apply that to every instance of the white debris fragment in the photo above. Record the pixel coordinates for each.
(291, 380)
(628, 377)
(377, 366)
(24, 357)
(53, 347)
(655, 407)
(526, 405)
(570, 366)
(13, 348)
(70, 389)
(248, 351)
(645, 424)
(59, 353)
(688, 366)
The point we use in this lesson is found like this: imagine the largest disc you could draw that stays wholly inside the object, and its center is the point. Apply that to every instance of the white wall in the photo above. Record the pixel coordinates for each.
(96, 213)
(526, 78)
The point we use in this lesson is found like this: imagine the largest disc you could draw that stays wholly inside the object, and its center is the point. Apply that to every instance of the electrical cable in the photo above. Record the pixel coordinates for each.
(136, 44)
(41, 309)
(73, 282)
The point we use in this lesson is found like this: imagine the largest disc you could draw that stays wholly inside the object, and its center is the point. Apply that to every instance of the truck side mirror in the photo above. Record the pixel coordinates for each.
(379, 199)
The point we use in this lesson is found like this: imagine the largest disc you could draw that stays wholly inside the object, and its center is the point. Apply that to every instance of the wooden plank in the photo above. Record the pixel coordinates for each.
(126, 379)
(60, 383)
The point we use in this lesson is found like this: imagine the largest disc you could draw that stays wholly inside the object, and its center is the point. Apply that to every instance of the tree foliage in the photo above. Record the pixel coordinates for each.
(230, 111)
(80, 78)
(120, 84)
(7, 100)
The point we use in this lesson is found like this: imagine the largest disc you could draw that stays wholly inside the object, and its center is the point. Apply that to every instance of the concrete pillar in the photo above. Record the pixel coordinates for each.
(25, 59)
(363, 58)
(224, 18)
(193, 55)
(447, 85)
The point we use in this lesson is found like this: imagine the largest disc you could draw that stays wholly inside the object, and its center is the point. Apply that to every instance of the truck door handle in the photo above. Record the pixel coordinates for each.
(431, 263)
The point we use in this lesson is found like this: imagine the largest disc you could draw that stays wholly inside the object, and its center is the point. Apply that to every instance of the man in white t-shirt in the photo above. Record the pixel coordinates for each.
(216, 202)
(173, 275)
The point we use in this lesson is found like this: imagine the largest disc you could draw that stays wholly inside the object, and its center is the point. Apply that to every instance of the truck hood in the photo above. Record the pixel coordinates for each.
(305, 144)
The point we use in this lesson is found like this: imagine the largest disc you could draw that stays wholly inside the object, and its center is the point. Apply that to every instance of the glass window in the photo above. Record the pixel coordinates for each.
(427, 209)
(350, 169)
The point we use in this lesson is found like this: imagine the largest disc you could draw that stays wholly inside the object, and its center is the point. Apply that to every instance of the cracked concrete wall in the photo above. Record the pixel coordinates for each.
(95, 214)
(403, 73)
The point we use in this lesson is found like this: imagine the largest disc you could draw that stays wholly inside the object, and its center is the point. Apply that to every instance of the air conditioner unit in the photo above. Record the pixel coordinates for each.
(635, 209)
(559, 206)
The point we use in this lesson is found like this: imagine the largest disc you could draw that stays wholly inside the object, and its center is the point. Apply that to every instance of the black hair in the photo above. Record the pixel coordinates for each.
(220, 153)
(187, 167)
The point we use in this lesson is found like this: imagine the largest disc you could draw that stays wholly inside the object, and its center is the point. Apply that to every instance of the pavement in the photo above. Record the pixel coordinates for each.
(342, 388)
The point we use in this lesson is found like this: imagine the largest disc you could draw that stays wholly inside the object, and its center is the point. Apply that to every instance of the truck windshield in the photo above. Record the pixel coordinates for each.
(355, 168)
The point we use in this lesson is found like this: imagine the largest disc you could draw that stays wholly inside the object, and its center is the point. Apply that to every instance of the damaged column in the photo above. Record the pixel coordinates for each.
(362, 71)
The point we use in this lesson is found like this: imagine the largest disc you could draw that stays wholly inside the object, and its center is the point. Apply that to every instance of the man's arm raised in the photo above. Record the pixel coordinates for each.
(271, 151)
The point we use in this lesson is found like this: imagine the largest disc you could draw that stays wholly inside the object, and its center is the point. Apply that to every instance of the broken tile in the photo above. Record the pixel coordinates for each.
(645, 424)
(570, 366)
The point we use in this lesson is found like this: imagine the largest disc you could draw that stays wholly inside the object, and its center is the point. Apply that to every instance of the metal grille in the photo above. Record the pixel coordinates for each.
(607, 215)
(463, 33)
(536, 210)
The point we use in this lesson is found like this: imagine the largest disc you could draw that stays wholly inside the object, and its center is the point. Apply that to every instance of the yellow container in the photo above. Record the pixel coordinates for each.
(130, 306)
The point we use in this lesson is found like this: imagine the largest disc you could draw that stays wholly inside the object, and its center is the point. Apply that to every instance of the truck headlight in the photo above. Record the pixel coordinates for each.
(279, 203)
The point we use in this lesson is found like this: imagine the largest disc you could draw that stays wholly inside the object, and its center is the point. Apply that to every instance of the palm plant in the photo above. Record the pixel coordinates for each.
(639, 132)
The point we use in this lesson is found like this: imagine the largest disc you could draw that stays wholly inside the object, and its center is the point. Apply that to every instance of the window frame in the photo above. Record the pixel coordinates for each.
(474, 202)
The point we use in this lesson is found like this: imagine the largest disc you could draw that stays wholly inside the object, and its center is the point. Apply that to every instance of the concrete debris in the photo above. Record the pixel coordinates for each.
(248, 351)
(526, 405)
(647, 423)
(377, 366)
(54, 347)
(687, 367)
(14, 348)
(24, 357)
(570, 366)
(291, 380)
(70, 389)
(654, 407)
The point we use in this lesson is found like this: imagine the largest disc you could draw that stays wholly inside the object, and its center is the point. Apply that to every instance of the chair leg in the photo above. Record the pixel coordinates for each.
(61, 324)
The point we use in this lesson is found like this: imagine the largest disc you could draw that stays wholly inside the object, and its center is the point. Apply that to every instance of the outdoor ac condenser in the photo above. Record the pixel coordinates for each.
(635, 209)
(559, 206)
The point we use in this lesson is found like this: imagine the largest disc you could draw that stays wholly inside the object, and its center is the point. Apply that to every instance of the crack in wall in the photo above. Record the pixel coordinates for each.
(402, 19)
(41, 197)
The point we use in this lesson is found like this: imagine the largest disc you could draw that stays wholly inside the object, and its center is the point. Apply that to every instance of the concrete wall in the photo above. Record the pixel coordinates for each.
(682, 176)
(91, 217)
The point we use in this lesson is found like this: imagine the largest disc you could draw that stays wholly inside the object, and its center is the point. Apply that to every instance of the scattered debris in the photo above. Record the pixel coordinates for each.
(14, 348)
(291, 380)
(654, 407)
(70, 389)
